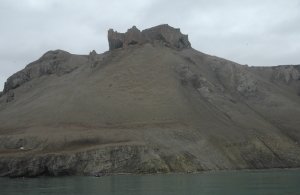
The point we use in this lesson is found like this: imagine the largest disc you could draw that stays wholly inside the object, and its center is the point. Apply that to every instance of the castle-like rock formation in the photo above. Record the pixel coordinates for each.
(166, 34)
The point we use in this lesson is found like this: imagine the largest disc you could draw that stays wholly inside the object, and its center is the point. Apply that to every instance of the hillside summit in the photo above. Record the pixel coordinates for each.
(151, 104)
(169, 36)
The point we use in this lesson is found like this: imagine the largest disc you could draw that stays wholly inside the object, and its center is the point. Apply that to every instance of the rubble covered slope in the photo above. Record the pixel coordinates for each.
(150, 104)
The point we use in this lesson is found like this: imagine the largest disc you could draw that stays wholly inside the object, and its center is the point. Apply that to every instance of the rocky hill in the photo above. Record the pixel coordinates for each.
(150, 104)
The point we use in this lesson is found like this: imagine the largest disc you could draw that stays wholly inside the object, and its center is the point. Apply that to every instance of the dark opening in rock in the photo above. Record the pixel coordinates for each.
(133, 43)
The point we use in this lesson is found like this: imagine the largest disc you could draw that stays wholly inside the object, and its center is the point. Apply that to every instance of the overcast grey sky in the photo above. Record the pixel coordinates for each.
(254, 32)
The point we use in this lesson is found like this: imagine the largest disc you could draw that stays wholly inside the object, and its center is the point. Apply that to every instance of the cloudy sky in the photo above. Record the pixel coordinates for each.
(254, 32)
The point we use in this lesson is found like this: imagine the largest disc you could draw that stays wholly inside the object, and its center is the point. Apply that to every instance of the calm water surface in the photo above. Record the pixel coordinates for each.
(231, 182)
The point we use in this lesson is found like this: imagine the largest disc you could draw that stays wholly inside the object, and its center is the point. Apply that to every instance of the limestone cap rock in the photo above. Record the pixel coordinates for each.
(171, 37)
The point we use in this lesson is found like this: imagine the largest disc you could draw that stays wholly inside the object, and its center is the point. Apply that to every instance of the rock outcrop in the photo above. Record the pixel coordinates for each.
(53, 62)
(100, 161)
(166, 34)
(50, 63)
(286, 73)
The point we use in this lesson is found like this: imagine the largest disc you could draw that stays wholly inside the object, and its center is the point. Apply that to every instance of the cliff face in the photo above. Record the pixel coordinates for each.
(53, 62)
(170, 36)
(154, 105)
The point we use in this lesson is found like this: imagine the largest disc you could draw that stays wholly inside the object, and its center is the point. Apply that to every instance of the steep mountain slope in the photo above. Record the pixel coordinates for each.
(150, 104)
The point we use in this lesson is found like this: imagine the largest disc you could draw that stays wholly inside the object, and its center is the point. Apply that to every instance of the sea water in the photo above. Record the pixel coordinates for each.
(225, 182)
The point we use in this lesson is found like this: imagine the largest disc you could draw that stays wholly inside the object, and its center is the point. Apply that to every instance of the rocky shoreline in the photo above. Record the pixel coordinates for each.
(114, 160)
